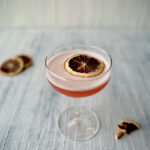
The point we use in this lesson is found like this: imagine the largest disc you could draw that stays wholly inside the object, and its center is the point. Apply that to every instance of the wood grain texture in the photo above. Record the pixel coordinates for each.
(74, 13)
(29, 107)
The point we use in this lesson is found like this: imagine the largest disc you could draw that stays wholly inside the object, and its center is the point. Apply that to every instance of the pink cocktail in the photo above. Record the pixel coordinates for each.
(73, 124)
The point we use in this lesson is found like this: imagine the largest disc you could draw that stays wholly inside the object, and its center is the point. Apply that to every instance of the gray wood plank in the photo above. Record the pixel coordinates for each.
(29, 107)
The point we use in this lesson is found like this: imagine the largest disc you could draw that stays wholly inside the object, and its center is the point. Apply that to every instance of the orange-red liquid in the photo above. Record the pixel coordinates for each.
(80, 93)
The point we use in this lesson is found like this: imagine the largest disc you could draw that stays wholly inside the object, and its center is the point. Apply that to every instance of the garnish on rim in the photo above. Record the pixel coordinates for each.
(84, 65)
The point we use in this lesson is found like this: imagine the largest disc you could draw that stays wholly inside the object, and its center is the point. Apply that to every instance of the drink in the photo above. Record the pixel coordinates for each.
(78, 71)
(76, 86)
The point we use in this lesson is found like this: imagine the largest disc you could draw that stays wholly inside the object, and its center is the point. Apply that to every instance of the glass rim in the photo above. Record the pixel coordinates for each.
(92, 46)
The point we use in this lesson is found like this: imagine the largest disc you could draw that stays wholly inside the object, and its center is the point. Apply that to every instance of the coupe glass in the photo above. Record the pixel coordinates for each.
(78, 122)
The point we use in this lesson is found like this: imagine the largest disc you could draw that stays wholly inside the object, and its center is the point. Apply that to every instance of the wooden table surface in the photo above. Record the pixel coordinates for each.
(30, 107)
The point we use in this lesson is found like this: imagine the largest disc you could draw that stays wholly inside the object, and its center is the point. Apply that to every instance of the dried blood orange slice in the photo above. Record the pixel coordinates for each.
(131, 125)
(26, 59)
(122, 128)
(84, 65)
(12, 66)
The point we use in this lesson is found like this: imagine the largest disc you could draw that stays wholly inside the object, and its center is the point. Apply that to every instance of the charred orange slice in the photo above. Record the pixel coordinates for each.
(26, 59)
(12, 66)
(84, 65)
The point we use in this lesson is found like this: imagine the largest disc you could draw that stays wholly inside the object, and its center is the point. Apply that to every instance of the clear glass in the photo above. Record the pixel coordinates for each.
(78, 123)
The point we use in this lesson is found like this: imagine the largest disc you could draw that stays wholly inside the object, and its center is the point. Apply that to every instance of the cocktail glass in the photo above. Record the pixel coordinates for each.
(78, 122)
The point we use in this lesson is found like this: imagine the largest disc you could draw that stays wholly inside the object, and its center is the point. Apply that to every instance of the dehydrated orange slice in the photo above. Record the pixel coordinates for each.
(122, 128)
(128, 126)
(26, 59)
(119, 135)
(12, 66)
(131, 125)
(84, 65)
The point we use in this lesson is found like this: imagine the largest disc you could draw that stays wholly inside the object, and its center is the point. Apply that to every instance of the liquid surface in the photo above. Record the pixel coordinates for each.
(68, 81)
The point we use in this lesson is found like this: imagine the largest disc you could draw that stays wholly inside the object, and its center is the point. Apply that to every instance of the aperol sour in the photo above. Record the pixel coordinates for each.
(71, 85)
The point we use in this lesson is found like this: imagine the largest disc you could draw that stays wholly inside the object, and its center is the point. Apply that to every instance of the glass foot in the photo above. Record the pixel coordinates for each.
(78, 123)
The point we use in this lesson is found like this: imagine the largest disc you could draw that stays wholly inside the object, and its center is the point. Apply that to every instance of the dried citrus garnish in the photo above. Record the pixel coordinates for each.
(121, 128)
(119, 135)
(12, 66)
(131, 125)
(84, 65)
(128, 126)
(26, 59)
